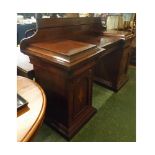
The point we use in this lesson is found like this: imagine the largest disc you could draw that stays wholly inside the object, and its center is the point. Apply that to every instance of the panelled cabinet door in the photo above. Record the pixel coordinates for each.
(82, 93)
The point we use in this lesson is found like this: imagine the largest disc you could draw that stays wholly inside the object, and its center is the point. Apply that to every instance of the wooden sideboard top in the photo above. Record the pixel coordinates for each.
(65, 47)
(67, 42)
(65, 52)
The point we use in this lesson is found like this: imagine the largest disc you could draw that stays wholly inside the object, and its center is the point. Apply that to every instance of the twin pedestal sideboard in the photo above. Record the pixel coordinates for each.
(68, 54)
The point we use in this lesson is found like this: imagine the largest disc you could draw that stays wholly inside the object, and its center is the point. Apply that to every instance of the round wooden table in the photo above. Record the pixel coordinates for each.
(30, 117)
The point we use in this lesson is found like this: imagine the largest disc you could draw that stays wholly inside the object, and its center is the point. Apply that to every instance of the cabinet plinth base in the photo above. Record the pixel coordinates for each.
(109, 85)
(69, 132)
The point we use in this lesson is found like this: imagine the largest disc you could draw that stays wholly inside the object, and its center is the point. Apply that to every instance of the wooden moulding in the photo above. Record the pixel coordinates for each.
(65, 52)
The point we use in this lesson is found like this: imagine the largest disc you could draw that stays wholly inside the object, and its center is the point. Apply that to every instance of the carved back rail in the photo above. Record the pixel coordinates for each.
(64, 28)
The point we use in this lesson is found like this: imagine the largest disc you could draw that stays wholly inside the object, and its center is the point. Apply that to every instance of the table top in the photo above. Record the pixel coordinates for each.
(29, 118)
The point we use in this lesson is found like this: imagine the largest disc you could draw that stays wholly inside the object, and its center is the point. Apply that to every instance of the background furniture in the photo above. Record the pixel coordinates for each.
(21, 29)
(24, 67)
(30, 118)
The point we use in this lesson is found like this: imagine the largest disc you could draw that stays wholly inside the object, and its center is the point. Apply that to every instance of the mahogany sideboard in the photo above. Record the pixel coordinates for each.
(64, 69)
(64, 53)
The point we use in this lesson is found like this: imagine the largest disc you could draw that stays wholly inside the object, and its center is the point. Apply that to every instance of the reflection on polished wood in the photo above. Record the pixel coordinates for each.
(29, 118)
